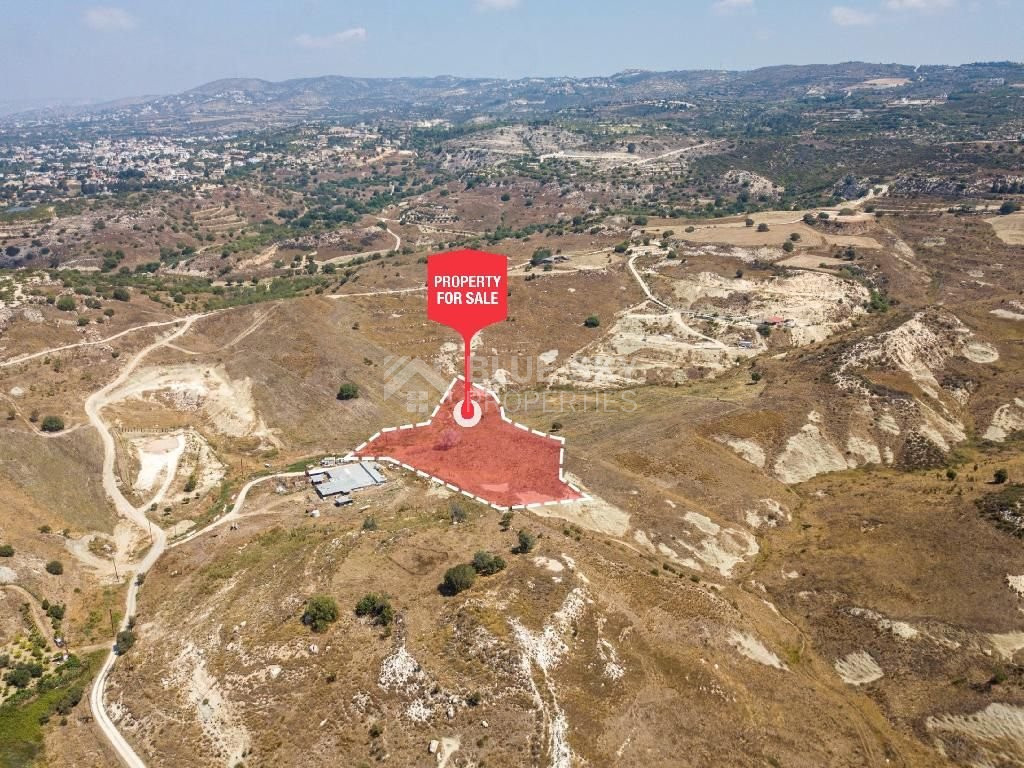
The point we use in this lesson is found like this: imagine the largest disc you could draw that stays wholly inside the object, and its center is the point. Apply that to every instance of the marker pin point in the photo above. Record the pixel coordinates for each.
(467, 291)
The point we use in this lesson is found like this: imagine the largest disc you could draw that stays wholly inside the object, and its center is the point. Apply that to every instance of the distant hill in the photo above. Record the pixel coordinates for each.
(244, 103)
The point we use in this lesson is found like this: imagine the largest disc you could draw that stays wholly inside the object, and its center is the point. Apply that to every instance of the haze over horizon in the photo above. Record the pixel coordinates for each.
(90, 52)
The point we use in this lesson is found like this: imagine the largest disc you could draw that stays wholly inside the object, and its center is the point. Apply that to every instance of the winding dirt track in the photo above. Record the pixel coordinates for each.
(93, 408)
(26, 358)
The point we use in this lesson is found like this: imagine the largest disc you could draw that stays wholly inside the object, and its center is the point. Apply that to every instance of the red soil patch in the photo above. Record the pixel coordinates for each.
(500, 462)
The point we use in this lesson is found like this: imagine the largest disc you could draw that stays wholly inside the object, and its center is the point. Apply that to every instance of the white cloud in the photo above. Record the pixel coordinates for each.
(109, 17)
(845, 16)
(497, 5)
(919, 5)
(355, 34)
(731, 6)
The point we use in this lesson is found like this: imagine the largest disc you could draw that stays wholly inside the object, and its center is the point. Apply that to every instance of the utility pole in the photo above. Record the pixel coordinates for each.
(116, 575)
(113, 628)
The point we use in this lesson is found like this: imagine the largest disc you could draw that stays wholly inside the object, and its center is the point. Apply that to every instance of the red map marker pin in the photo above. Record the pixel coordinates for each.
(467, 291)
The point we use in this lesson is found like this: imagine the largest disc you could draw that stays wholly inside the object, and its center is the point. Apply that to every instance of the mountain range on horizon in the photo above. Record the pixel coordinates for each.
(244, 103)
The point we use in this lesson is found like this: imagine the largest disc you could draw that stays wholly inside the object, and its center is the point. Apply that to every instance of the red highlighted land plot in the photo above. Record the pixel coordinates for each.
(497, 461)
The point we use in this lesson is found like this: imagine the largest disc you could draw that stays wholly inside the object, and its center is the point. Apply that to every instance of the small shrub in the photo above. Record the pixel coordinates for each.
(6, 550)
(52, 424)
(321, 611)
(348, 391)
(19, 677)
(592, 322)
(1000, 476)
(376, 606)
(527, 541)
(457, 513)
(125, 640)
(487, 564)
(459, 578)
(55, 567)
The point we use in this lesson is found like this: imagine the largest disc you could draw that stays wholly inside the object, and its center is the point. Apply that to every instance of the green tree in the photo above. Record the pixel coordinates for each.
(52, 424)
(321, 610)
(527, 541)
(376, 606)
(55, 567)
(125, 640)
(66, 303)
(122, 294)
(592, 322)
(1000, 476)
(459, 578)
(19, 677)
(348, 391)
(70, 700)
(762, 227)
(487, 564)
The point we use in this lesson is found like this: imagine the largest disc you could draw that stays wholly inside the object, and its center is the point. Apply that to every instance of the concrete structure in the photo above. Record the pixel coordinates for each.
(345, 478)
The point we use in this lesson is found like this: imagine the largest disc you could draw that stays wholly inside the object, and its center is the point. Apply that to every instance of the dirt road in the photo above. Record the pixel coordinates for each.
(235, 509)
(93, 408)
(32, 356)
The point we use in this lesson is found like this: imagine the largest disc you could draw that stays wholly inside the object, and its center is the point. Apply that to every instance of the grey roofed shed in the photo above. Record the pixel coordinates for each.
(345, 478)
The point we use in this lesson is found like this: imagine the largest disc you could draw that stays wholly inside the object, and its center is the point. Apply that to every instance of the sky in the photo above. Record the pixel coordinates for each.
(81, 51)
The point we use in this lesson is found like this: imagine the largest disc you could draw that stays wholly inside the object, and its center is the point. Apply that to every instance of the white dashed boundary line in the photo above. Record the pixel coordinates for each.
(501, 410)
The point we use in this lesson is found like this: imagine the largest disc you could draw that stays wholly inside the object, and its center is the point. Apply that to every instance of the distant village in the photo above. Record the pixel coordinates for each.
(34, 172)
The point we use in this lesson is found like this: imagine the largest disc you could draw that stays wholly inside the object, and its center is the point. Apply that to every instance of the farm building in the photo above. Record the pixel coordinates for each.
(345, 478)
